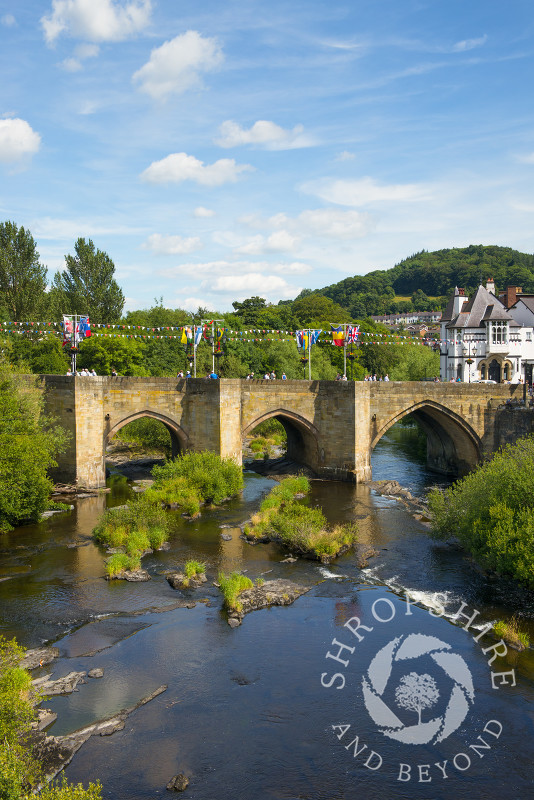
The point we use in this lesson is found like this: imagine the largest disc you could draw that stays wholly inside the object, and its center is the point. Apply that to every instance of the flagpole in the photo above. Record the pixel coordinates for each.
(194, 350)
(309, 354)
(344, 348)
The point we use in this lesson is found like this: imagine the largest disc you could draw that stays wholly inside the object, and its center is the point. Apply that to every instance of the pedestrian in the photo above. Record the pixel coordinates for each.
(284, 376)
(93, 373)
(188, 374)
(338, 376)
(386, 377)
(114, 373)
(69, 373)
(266, 377)
(213, 375)
(180, 374)
(344, 378)
(273, 375)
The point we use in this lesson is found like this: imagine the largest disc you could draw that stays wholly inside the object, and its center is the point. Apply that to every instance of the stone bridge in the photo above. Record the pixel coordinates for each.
(332, 426)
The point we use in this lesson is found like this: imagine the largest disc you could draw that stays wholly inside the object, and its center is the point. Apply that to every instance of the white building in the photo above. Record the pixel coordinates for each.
(488, 338)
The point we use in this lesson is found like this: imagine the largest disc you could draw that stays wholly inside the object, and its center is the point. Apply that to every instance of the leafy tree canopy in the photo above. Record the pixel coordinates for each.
(87, 286)
(22, 276)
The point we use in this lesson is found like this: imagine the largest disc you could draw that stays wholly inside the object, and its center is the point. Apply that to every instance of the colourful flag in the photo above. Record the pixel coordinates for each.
(68, 329)
(338, 335)
(198, 335)
(353, 331)
(83, 329)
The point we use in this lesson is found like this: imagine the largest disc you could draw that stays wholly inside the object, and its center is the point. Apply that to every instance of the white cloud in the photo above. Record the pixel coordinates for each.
(172, 245)
(81, 52)
(96, 20)
(321, 222)
(203, 212)
(469, 44)
(176, 65)
(278, 242)
(264, 133)
(70, 229)
(345, 156)
(528, 158)
(365, 191)
(8, 20)
(223, 268)
(252, 282)
(18, 140)
(178, 167)
(193, 303)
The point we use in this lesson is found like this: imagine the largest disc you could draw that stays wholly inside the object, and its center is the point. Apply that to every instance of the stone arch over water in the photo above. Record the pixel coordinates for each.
(302, 436)
(179, 438)
(453, 447)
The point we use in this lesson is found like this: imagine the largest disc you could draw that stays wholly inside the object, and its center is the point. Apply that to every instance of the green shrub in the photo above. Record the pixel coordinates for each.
(64, 791)
(511, 633)
(193, 568)
(491, 512)
(269, 428)
(148, 434)
(139, 527)
(231, 586)
(213, 478)
(117, 563)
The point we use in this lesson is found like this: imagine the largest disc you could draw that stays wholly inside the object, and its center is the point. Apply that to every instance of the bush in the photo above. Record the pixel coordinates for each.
(491, 512)
(73, 791)
(29, 443)
(139, 527)
(119, 562)
(193, 568)
(231, 586)
(212, 478)
(511, 633)
(148, 434)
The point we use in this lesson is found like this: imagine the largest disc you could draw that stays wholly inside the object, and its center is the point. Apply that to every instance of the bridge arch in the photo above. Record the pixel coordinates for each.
(453, 447)
(179, 438)
(302, 435)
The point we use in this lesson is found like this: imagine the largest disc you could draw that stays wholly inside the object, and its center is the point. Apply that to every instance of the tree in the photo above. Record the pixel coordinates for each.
(22, 276)
(28, 446)
(416, 692)
(87, 286)
(248, 309)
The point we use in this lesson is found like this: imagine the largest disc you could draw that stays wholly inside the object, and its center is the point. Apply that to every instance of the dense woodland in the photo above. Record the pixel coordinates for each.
(87, 286)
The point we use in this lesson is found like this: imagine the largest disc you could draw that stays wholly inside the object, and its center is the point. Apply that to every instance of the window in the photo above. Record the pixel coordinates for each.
(529, 336)
(498, 332)
(483, 372)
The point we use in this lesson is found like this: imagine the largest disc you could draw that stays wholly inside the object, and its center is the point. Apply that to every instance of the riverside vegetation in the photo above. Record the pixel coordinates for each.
(186, 483)
(282, 518)
(491, 512)
(20, 772)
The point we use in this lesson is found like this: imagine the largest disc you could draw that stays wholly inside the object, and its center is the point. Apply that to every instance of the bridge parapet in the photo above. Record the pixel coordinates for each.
(332, 426)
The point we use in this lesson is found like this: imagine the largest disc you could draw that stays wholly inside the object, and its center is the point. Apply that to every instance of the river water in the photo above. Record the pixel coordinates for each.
(247, 713)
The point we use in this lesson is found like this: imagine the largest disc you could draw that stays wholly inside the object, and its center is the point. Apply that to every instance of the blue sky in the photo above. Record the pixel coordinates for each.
(219, 150)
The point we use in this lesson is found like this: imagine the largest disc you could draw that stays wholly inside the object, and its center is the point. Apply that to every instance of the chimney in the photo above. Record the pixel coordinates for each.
(458, 301)
(490, 286)
(510, 296)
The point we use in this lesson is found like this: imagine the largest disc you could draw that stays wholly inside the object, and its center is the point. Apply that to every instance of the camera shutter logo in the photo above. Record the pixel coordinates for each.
(417, 692)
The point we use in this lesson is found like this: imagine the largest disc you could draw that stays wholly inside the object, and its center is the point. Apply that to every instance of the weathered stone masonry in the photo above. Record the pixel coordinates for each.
(332, 426)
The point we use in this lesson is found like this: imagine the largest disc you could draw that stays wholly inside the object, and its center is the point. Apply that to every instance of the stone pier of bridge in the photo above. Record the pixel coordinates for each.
(332, 426)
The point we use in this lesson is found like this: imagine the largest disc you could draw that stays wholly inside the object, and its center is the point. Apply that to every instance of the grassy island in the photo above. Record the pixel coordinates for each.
(195, 479)
(232, 586)
(133, 530)
(303, 529)
(491, 512)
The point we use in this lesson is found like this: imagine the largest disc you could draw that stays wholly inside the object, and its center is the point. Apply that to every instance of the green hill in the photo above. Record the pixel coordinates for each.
(431, 275)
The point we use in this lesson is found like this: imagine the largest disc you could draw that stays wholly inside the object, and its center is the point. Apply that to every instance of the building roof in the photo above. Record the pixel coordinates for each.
(447, 314)
(482, 307)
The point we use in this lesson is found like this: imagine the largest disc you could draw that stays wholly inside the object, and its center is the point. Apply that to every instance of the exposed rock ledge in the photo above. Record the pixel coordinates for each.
(55, 752)
(415, 505)
(278, 592)
(178, 580)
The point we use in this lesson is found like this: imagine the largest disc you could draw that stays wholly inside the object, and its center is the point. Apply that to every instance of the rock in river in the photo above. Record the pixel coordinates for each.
(278, 592)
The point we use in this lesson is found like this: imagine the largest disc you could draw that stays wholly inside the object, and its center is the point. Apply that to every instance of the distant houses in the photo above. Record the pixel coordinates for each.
(408, 318)
(488, 337)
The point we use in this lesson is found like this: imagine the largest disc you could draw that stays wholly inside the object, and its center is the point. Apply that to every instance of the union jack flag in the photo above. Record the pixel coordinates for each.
(353, 331)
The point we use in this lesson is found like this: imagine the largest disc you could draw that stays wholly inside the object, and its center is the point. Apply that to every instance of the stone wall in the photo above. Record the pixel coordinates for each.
(332, 426)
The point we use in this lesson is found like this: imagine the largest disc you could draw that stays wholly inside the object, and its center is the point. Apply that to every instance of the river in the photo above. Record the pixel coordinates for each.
(247, 713)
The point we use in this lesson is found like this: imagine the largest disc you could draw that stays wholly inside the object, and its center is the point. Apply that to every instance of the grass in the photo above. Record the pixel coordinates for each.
(119, 562)
(232, 586)
(282, 518)
(510, 632)
(268, 435)
(194, 479)
(139, 527)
